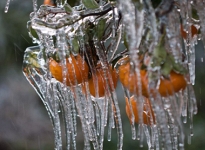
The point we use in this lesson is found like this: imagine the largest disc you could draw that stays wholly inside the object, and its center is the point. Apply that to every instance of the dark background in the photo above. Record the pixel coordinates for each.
(24, 123)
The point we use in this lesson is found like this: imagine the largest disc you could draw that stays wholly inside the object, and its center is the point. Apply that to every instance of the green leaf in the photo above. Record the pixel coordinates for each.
(32, 59)
(90, 4)
(167, 67)
(177, 67)
(32, 32)
(90, 31)
(75, 45)
(125, 41)
(56, 56)
(100, 28)
(159, 53)
(44, 54)
(68, 8)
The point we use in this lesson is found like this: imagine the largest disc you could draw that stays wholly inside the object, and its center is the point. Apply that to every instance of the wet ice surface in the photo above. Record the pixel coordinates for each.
(56, 28)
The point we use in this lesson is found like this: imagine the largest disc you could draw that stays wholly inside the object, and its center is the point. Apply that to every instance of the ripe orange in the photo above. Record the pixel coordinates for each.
(48, 2)
(102, 82)
(130, 80)
(194, 31)
(77, 70)
(167, 87)
(175, 83)
(148, 114)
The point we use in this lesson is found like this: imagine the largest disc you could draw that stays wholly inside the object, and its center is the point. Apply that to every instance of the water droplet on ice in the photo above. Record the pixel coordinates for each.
(7, 6)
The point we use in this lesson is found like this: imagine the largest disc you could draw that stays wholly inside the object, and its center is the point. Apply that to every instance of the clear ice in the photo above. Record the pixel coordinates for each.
(104, 26)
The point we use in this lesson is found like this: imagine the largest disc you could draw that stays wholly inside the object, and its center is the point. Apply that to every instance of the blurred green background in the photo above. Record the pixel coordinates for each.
(24, 123)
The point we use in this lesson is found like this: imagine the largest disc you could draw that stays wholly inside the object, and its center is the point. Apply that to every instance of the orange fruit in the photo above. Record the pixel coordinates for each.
(175, 83)
(194, 31)
(77, 70)
(148, 114)
(48, 2)
(130, 80)
(100, 78)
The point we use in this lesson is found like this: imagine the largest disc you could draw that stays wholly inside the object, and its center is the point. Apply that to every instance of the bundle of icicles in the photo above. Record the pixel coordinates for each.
(83, 51)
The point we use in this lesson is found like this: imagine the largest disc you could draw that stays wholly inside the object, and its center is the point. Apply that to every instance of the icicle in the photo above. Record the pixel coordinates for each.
(7, 6)
(140, 107)
(115, 118)
(190, 39)
(98, 112)
(91, 109)
(184, 105)
(199, 6)
(57, 127)
(176, 110)
(173, 35)
(81, 113)
(132, 119)
(192, 109)
(110, 116)
(161, 122)
(140, 134)
(106, 112)
(154, 138)
(133, 130)
(133, 19)
(69, 116)
(102, 105)
(147, 134)
(115, 35)
(191, 62)
(151, 22)
(62, 48)
(115, 43)
(45, 89)
(35, 6)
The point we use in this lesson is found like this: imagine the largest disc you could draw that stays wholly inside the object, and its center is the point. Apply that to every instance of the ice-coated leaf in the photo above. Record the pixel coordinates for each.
(32, 32)
(75, 45)
(125, 40)
(166, 67)
(90, 4)
(159, 53)
(177, 66)
(68, 8)
(100, 28)
(31, 57)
